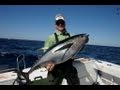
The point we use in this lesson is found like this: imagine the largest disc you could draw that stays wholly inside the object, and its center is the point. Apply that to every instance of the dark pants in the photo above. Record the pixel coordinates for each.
(65, 70)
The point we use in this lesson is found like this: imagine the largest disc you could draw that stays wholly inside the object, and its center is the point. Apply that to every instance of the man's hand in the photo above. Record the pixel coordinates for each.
(50, 66)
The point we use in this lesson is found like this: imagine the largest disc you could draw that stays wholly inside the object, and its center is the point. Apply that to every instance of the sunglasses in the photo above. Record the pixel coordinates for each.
(60, 22)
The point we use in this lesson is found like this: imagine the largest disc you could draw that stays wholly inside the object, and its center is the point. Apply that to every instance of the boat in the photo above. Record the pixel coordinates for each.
(90, 72)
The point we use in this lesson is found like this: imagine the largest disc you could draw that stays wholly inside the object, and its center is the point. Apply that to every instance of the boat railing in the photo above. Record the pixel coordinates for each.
(21, 58)
(19, 80)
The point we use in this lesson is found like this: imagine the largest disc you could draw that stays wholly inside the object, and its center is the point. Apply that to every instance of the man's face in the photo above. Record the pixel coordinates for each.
(60, 25)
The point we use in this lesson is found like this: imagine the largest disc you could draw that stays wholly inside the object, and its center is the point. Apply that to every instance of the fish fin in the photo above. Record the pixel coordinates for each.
(26, 77)
(23, 78)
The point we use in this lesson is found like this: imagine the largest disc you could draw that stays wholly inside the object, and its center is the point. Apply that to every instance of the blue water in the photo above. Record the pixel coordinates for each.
(10, 49)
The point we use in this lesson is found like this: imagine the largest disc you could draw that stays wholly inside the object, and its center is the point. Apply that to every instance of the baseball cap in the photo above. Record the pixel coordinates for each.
(59, 19)
(59, 16)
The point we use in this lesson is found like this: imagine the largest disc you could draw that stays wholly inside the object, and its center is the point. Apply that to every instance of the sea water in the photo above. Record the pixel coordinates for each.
(10, 49)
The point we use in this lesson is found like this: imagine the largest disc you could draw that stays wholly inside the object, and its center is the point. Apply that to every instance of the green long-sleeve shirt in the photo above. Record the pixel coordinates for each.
(51, 39)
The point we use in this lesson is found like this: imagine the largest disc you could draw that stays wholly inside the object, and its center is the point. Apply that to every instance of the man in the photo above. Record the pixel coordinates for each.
(56, 73)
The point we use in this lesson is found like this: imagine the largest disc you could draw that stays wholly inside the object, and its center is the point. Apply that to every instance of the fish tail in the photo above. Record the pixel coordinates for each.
(23, 78)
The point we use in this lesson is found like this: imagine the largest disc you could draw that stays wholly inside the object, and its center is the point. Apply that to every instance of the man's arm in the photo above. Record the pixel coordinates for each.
(48, 43)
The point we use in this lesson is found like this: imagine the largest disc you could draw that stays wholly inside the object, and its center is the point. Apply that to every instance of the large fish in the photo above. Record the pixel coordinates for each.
(60, 52)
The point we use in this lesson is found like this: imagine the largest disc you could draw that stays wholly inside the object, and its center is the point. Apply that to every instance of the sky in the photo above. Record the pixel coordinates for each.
(37, 22)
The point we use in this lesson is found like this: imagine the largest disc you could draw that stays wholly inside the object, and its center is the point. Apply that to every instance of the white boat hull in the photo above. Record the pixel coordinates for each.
(90, 72)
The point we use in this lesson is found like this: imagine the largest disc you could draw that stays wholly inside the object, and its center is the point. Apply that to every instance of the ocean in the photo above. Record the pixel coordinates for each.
(10, 49)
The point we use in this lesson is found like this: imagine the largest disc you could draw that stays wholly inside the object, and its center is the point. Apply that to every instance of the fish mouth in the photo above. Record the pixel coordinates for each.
(86, 37)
